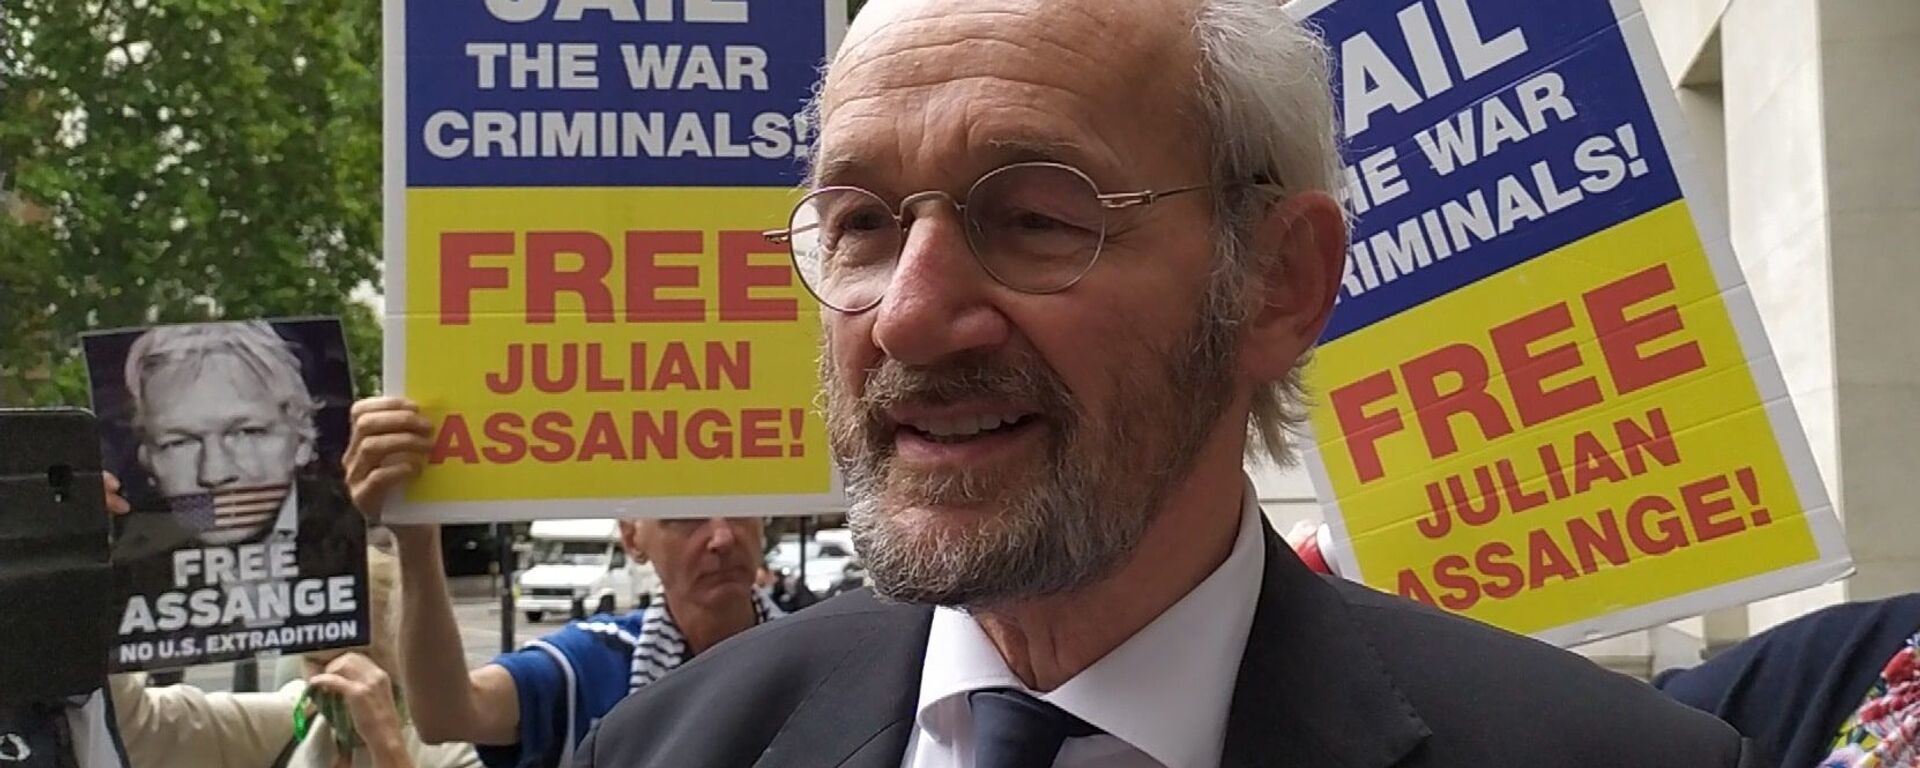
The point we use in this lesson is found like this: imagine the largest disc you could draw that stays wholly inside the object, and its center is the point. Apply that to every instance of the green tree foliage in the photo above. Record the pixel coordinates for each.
(181, 160)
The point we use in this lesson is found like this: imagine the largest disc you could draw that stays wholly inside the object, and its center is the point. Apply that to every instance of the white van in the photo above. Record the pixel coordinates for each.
(577, 566)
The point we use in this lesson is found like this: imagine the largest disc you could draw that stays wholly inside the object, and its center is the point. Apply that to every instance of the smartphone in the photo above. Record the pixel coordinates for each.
(56, 582)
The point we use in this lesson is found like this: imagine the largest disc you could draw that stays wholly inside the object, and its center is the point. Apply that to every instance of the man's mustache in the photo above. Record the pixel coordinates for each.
(1021, 380)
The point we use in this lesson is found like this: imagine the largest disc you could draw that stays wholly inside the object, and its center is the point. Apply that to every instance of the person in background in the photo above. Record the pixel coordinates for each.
(181, 725)
(531, 707)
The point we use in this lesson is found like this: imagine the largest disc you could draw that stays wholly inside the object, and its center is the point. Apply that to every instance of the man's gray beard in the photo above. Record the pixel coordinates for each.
(1050, 528)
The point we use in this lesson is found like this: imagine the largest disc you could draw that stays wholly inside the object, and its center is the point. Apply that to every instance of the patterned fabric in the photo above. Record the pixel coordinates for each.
(660, 647)
(566, 681)
(1885, 731)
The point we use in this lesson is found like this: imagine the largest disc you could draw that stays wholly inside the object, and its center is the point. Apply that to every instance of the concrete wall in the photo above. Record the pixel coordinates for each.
(1869, 60)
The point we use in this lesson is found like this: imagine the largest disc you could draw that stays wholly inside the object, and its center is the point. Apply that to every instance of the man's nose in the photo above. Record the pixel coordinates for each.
(720, 537)
(938, 303)
(217, 466)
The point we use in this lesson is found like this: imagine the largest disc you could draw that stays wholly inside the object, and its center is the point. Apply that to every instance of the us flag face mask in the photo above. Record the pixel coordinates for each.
(229, 515)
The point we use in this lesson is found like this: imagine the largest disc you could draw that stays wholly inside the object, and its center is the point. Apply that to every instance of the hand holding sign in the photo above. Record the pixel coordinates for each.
(388, 444)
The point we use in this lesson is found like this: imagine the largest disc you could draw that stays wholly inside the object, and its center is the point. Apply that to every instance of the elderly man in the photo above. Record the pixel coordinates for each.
(1073, 255)
(529, 708)
(226, 432)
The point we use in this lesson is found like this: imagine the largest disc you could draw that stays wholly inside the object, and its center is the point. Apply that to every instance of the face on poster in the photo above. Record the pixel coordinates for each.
(1545, 397)
(227, 438)
(579, 295)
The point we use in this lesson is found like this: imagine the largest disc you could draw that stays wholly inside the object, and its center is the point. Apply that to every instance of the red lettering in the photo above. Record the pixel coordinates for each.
(1435, 410)
(602, 439)
(662, 436)
(459, 278)
(1411, 588)
(551, 428)
(597, 379)
(1469, 513)
(1545, 560)
(739, 276)
(1674, 532)
(759, 433)
(1656, 441)
(1592, 463)
(546, 280)
(1518, 499)
(736, 368)
(1621, 337)
(505, 445)
(1705, 500)
(1442, 520)
(545, 378)
(1362, 430)
(507, 380)
(1450, 572)
(676, 369)
(1496, 560)
(1527, 372)
(708, 434)
(1606, 541)
(453, 441)
(646, 276)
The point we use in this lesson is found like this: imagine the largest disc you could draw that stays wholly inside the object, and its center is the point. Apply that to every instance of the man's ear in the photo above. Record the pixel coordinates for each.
(633, 539)
(1301, 245)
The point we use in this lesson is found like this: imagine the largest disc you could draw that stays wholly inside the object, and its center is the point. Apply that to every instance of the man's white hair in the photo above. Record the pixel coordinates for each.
(251, 343)
(1266, 100)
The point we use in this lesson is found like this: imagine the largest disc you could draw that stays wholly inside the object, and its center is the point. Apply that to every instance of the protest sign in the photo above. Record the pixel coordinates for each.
(579, 295)
(227, 438)
(1545, 399)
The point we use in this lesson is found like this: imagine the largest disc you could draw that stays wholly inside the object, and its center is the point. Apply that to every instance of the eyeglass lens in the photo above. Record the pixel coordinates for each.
(1034, 227)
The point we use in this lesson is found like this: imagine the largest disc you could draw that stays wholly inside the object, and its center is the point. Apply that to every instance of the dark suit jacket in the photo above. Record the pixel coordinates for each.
(1334, 674)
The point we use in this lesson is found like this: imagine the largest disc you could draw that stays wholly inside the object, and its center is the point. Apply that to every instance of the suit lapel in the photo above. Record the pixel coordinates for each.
(1312, 690)
(860, 714)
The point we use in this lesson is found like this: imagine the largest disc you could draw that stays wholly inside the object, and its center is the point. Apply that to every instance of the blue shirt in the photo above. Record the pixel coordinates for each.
(568, 680)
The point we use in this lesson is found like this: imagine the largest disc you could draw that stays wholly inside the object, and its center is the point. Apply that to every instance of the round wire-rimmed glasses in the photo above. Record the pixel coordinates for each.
(1035, 227)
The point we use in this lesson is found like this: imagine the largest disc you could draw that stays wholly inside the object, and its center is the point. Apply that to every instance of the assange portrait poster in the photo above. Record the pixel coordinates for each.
(579, 295)
(1545, 397)
(227, 438)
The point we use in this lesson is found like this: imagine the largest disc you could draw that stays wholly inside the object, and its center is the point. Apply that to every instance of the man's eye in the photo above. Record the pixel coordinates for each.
(255, 431)
(173, 443)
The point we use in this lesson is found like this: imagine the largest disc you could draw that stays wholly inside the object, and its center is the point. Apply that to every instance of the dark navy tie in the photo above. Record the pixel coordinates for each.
(1012, 729)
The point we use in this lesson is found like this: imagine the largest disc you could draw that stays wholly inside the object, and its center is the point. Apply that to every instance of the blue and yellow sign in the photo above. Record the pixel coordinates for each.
(1545, 399)
(578, 294)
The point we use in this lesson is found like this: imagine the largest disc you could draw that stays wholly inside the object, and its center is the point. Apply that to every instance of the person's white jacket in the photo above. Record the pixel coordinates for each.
(180, 725)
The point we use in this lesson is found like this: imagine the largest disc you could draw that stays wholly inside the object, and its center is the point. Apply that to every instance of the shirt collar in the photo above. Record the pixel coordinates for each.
(1185, 662)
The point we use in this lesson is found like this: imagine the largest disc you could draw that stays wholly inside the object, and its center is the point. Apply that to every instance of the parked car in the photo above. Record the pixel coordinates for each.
(829, 554)
(579, 568)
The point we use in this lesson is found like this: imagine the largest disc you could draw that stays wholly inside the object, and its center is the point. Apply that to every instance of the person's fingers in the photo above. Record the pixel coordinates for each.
(116, 503)
(370, 453)
(340, 686)
(370, 492)
(381, 403)
(388, 422)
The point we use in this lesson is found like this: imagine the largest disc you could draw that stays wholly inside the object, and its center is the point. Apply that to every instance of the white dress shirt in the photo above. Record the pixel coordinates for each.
(1160, 698)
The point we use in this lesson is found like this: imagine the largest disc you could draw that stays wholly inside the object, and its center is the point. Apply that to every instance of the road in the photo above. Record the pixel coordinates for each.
(479, 619)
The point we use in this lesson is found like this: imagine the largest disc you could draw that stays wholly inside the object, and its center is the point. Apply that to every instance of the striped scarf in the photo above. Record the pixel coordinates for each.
(660, 647)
